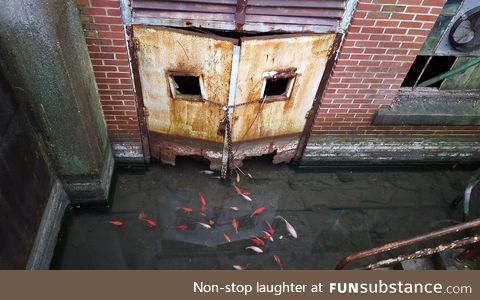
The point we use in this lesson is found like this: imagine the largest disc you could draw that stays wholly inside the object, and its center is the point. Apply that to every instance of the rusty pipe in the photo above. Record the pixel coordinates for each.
(403, 243)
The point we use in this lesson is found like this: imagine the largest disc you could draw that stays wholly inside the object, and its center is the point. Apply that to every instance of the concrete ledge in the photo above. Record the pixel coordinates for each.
(426, 107)
(343, 150)
(91, 190)
(128, 154)
(46, 238)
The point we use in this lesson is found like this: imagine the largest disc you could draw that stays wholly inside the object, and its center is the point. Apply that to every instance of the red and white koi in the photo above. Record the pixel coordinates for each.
(206, 226)
(254, 249)
(270, 229)
(186, 210)
(116, 223)
(235, 225)
(150, 223)
(267, 236)
(257, 212)
(227, 238)
(182, 227)
(256, 241)
(289, 226)
(278, 261)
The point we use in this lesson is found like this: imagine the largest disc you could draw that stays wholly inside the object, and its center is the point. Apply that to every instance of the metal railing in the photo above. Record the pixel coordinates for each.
(415, 240)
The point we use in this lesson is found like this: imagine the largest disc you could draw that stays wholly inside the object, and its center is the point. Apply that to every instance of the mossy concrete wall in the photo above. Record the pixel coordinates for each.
(44, 55)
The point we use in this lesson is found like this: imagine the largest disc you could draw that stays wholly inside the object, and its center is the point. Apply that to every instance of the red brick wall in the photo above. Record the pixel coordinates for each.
(105, 36)
(381, 45)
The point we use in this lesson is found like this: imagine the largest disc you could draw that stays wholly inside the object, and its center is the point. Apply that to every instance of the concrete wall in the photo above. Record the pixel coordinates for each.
(26, 182)
(44, 56)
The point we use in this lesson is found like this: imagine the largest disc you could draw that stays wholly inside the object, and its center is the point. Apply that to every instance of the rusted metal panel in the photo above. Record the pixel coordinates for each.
(162, 51)
(264, 57)
(242, 15)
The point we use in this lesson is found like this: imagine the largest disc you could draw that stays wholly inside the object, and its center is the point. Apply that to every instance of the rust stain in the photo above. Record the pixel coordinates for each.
(169, 50)
(306, 55)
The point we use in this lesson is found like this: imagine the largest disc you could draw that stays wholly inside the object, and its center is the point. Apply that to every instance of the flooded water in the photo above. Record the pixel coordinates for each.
(335, 212)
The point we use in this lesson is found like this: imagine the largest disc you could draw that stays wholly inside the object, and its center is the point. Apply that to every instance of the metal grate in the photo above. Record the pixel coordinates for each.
(260, 15)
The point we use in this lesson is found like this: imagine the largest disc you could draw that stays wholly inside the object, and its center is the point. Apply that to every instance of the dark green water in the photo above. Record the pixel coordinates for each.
(335, 213)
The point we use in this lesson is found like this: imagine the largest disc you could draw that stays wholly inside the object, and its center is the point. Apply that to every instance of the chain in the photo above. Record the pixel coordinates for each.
(227, 107)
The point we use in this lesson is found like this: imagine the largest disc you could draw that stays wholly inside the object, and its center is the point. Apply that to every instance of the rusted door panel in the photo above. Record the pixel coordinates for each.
(304, 55)
(163, 51)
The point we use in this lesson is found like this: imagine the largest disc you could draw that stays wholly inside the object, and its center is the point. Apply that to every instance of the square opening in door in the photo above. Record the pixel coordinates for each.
(185, 86)
(277, 88)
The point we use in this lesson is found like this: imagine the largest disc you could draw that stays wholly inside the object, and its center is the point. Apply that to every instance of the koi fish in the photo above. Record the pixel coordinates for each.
(182, 227)
(238, 178)
(116, 223)
(270, 229)
(211, 222)
(142, 215)
(203, 205)
(186, 210)
(238, 267)
(227, 238)
(150, 223)
(256, 241)
(235, 225)
(206, 172)
(237, 189)
(290, 228)
(246, 197)
(247, 193)
(267, 236)
(234, 208)
(206, 226)
(280, 237)
(203, 202)
(257, 212)
(250, 175)
(278, 261)
(254, 249)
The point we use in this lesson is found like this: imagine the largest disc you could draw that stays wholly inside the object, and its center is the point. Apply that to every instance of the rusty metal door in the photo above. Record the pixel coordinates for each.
(280, 75)
(191, 81)
(178, 69)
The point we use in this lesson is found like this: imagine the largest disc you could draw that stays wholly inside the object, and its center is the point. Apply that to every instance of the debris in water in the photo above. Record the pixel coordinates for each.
(142, 215)
(280, 237)
(211, 222)
(116, 223)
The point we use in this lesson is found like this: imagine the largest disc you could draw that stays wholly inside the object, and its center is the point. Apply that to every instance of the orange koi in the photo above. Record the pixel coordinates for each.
(256, 241)
(186, 210)
(150, 223)
(227, 238)
(278, 261)
(203, 202)
(237, 189)
(247, 193)
(257, 212)
(116, 223)
(182, 227)
(235, 225)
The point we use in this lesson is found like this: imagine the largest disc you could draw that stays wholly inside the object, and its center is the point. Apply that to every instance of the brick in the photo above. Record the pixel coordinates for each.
(105, 3)
(108, 20)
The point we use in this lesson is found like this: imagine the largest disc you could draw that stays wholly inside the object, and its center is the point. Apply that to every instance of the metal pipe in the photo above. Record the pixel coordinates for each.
(450, 73)
(404, 243)
(474, 180)
(425, 252)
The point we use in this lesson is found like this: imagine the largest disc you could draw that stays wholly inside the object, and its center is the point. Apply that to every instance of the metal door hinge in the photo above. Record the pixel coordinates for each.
(145, 111)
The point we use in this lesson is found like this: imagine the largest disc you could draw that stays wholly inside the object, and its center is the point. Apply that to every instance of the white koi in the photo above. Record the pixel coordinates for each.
(234, 208)
(290, 228)
(246, 197)
(254, 249)
(206, 226)
(207, 172)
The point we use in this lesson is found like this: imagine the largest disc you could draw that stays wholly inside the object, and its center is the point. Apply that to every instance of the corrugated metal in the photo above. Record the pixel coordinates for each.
(258, 12)
(209, 10)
